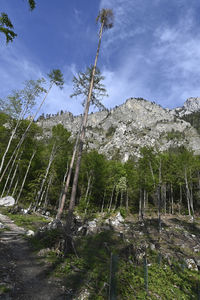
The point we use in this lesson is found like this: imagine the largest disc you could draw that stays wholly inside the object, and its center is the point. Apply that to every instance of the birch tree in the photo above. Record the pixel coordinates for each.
(19, 104)
(25, 176)
(56, 78)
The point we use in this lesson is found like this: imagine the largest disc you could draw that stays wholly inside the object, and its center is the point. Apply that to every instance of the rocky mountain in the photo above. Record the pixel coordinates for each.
(190, 106)
(123, 130)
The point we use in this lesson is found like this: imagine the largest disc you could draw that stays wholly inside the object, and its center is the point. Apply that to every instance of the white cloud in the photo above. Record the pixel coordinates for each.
(17, 68)
(155, 61)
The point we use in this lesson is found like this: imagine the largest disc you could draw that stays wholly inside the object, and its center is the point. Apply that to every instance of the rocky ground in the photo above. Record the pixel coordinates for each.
(25, 274)
(22, 275)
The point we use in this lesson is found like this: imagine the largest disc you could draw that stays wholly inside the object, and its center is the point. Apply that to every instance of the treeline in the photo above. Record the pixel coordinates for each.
(156, 183)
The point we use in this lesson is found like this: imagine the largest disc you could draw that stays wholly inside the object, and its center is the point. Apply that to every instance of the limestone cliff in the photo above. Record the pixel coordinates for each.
(122, 131)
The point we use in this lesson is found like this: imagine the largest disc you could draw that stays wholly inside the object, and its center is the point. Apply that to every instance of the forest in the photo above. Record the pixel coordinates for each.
(155, 183)
(84, 226)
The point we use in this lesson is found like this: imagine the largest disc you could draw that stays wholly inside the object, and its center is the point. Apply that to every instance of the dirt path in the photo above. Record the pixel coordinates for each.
(21, 271)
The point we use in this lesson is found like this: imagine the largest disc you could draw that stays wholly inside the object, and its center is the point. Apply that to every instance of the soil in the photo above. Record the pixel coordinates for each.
(24, 276)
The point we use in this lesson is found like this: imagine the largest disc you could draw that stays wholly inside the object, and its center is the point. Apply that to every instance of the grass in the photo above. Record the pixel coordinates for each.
(32, 222)
(4, 289)
(89, 267)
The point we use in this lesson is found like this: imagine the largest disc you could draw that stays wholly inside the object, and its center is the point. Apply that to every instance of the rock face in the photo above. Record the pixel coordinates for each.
(122, 131)
(7, 201)
(191, 105)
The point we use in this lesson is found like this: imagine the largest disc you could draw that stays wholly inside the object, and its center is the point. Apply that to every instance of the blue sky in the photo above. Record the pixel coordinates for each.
(153, 50)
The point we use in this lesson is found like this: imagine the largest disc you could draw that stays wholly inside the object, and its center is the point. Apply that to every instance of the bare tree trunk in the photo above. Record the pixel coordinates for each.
(158, 194)
(116, 198)
(191, 199)
(144, 202)
(152, 174)
(62, 188)
(15, 187)
(24, 134)
(88, 201)
(140, 205)
(172, 199)
(42, 195)
(22, 186)
(47, 192)
(12, 179)
(10, 171)
(8, 147)
(87, 191)
(121, 198)
(187, 193)
(51, 158)
(102, 207)
(63, 197)
(68, 240)
(164, 193)
(111, 199)
(180, 198)
(22, 114)
(127, 200)
(159, 209)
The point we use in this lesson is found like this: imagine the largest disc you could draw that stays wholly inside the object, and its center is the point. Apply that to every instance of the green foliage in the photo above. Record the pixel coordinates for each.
(46, 239)
(105, 17)
(194, 120)
(20, 102)
(6, 27)
(56, 77)
(32, 222)
(110, 132)
(175, 135)
(164, 281)
(81, 85)
(32, 4)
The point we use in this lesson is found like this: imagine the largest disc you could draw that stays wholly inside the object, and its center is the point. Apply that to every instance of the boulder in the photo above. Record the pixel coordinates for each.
(117, 220)
(30, 233)
(55, 224)
(92, 226)
(7, 201)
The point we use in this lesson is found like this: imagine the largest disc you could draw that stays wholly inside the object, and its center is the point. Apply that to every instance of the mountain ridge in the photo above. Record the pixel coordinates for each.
(123, 130)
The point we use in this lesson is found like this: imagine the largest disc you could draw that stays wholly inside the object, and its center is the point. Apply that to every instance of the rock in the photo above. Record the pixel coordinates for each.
(55, 224)
(44, 252)
(92, 226)
(24, 211)
(84, 295)
(30, 233)
(117, 220)
(47, 213)
(198, 264)
(2, 226)
(152, 247)
(191, 264)
(7, 201)
(132, 125)
(196, 249)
